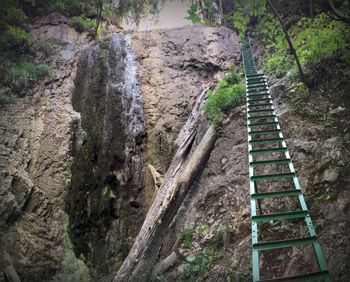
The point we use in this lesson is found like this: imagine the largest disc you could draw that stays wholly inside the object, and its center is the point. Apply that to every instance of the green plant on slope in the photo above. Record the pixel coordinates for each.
(82, 23)
(192, 14)
(320, 38)
(228, 92)
(187, 238)
(198, 265)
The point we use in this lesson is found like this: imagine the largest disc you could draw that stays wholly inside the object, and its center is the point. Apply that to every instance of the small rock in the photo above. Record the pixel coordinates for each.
(331, 175)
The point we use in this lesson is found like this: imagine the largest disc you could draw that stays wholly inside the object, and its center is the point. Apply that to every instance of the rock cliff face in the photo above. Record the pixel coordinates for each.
(175, 66)
(35, 159)
(110, 193)
(45, 132)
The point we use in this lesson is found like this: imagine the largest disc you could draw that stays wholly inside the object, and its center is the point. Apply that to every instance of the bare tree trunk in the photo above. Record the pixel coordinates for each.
(222, 19)
(338, 13)
(99, 12)
(290, 44)
(311, 9)
(182, 171)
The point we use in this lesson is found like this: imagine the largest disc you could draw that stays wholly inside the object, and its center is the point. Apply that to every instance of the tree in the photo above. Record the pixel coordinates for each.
(99, 6)
(291, 47)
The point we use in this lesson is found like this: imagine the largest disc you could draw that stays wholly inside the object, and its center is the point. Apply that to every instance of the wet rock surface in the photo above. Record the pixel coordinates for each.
(104, 201)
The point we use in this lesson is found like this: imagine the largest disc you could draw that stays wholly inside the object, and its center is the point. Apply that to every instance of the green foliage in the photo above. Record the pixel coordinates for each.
(74, 267)
(82, 23)
(320, 37)
(278, 64)
(193, 14)
(26, 73)
(7, 96)
(314, 39)
(229, 91)
(320, 224)
(16, 38)
(187, 238)
(199, 264)
(243, 12)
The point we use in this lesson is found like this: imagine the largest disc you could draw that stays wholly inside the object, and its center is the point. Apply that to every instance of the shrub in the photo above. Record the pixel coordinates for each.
(187, 238)
(229, 91)
(28, 72)
(192, 14)
(16, 38)
(319, 38)
(278, 64)
(7, 96)
(199, 264)
(82, 23)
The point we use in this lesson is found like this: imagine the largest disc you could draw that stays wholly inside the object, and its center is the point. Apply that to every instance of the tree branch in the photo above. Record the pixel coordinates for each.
(336, 12)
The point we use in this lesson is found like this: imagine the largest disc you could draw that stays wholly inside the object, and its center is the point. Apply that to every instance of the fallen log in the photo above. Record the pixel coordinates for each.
(183, 169)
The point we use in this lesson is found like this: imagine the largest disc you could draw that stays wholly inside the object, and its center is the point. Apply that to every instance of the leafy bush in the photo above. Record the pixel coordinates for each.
(28, 72)
(82, 23)
(229, 91)
(199, 264)
(18, 76)
(7, 96)
(187, 238)
(320, 37)
(314, 39)
(16, 38)
(193, 14)
(278, 64)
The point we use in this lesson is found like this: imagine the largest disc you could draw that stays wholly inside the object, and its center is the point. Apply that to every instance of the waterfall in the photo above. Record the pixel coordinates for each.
(133, 116)
(107, 171)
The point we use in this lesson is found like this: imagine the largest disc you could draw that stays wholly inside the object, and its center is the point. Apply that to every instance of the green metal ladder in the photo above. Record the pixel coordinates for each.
(261, 113)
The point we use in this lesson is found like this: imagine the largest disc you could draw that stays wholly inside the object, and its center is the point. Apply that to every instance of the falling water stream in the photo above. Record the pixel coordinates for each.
(108, 163)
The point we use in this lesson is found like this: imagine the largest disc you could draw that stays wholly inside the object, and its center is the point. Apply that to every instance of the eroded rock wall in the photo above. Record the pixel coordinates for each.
(35, 159)
(175, 66)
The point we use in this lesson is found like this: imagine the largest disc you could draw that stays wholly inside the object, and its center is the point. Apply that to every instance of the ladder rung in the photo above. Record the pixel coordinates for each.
(257, 86)
(260, 141)
(267, 162)
(264, 246)
(260, 105)
(259, 117)
(253, 79)
(272, 176)
(305, 277)
(263, 123)
(259, 92)
(257, 132)
(280, 216)
(269, 150)
(260, 111)
(257, 75)
(267, 195)
(254, 96)
(258, 99)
